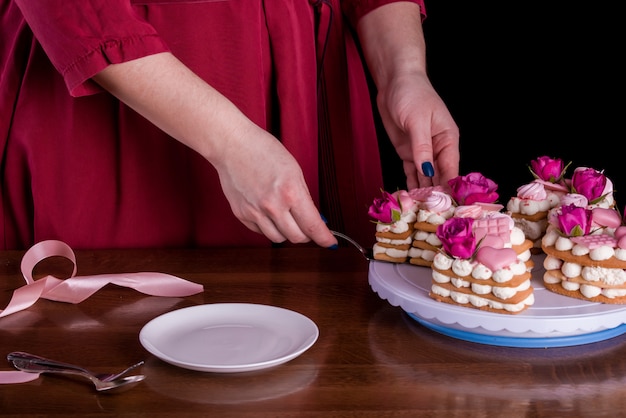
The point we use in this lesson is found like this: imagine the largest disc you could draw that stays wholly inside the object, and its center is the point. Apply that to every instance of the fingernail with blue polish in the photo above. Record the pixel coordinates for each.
(324, 218)
(428, 169)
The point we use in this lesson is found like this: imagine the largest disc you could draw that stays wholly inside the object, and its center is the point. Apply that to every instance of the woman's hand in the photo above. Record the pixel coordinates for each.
(267, 191)
(416, 119)
(421, 129)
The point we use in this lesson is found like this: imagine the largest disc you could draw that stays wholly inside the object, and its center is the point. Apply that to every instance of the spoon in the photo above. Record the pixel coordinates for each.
(368, 253)
(35, 364)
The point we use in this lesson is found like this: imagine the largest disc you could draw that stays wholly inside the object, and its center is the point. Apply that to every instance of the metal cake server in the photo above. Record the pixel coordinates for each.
(368, 253)
(103, 382)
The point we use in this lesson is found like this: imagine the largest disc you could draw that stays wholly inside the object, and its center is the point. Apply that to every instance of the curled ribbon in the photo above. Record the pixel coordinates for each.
(76, 289)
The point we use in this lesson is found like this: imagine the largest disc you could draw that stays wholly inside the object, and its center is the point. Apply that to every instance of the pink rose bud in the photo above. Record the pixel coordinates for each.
(589, 183)
(385, 209)
(547, 169)
(574, 221)
(457, 237)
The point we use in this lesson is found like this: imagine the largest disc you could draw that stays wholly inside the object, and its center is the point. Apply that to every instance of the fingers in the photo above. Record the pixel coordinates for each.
(265, 226)
(313, 225)
(414, 179)
(444, 169)
(267, 192)
(298, 225)
(447, 156)
(435, 157)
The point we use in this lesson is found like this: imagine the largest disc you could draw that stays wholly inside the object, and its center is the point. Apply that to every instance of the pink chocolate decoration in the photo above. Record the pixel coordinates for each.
(496, 258)
(595, 241)
(468, 211)
(606, 217)
(498, 226)
(492, 241)
(553, 186)
(490, 207)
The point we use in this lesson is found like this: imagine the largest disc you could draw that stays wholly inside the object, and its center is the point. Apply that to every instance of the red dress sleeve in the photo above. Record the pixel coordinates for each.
(82, 37)
(355, 9)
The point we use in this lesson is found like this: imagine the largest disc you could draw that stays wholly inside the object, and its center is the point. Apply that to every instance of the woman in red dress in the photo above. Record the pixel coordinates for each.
(172, 123)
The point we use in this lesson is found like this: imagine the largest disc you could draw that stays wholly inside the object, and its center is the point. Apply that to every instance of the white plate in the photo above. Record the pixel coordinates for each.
(229, 337)
(552, 316)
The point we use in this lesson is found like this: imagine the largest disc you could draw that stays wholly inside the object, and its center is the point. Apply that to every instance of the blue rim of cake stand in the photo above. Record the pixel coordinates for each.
(521, 342)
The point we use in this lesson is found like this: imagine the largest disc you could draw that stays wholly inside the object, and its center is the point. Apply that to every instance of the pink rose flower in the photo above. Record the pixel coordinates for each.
(457, 237)
(574, 221)
(473, 188)
(589, 183)
(385, 209)
(548, 169)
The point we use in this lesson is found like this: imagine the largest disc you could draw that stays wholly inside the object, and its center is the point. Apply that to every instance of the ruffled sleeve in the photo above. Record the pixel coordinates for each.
(82, 37)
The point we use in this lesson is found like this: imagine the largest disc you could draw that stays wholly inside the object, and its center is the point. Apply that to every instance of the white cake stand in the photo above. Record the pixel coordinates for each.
(553, 321)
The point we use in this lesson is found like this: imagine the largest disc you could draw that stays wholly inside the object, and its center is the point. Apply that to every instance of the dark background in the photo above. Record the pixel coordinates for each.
(526, 79)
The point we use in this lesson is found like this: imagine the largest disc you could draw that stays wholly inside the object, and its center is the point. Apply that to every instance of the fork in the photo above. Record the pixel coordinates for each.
(32, 363)
(368, 253)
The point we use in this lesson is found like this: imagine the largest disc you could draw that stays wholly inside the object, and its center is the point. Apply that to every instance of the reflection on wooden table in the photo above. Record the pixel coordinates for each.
(371, 359)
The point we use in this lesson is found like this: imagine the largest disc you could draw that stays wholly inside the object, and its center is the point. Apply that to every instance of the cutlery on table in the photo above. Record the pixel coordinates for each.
(35, 364)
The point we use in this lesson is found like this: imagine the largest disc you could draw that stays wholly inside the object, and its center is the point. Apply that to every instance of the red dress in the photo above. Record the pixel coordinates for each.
(79, 166)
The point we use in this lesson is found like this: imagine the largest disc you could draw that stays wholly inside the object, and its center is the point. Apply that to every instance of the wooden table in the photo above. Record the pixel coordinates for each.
(370, 358)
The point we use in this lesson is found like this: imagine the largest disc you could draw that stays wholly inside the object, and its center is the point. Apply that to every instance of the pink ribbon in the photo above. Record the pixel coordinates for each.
(76, 289)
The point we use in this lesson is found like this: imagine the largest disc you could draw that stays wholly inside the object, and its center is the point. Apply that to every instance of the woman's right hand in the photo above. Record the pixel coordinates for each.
(267, 191)
(262, 181)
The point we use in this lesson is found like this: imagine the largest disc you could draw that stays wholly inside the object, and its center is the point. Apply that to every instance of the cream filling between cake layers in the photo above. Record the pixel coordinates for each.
(517, 239)
(433, 219)
(532, 215)
(394, 240)
(596, 278)
(533, 230)
(390, 241)
(589, 280)
(501, 292)
(479, 302)
(399, 227)
(392, 247)
(426, 255)
(531, 207)
(480, 272)
(428, 237)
